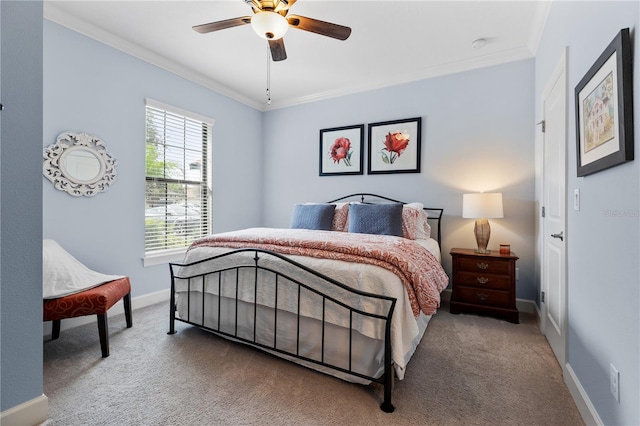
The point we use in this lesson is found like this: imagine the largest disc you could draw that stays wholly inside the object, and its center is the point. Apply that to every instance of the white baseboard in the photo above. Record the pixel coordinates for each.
(528, 306)
(585, 407)
(445, 296)
(580, 397)
(31, 412)
(136, 303)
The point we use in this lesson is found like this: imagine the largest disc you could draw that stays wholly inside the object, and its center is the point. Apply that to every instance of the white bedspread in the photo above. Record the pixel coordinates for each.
(63, 274)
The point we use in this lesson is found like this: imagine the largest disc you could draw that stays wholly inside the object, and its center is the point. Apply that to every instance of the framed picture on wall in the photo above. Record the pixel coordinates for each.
(394, 146)
(341, 150)
(604, 109)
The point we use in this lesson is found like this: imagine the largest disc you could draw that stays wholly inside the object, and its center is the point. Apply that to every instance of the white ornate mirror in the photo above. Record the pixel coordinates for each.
(79, 164)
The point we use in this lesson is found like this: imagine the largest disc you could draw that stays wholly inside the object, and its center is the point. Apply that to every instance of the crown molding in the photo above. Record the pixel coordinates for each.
(421, 74)
(54, 14)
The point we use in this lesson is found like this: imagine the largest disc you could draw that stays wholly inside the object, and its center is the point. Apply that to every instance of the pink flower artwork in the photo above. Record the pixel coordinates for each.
(394, 144)
(341, 150)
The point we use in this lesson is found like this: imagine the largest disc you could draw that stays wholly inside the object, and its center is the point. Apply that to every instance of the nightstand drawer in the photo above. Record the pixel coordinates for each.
(488, 266)
(480, 280)
(484, 283)
(479, 296)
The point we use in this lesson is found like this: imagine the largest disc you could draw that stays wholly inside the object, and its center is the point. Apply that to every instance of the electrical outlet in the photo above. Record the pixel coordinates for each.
(614, 382)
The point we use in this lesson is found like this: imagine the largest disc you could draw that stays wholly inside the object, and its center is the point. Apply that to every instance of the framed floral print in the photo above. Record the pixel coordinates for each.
(394, 146)
(604, 109)
(341, 150)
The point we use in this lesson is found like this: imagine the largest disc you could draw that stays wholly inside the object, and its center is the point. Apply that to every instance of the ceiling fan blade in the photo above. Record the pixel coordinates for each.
(278, 53)
(319, 27)
(222, 25)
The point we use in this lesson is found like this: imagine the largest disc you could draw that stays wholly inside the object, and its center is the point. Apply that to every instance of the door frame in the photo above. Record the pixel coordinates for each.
(560, 71)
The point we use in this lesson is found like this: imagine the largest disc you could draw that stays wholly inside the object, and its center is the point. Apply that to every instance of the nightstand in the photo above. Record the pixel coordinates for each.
(484, 283)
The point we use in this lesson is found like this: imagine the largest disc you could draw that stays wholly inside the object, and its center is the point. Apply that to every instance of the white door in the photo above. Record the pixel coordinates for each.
(554, 285)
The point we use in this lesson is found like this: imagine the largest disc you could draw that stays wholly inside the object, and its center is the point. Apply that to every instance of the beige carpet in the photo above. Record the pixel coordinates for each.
(468, 370)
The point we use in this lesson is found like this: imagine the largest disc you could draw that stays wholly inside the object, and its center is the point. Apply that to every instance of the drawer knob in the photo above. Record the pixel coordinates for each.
(482, 280)
(482, 265)
(482, 296)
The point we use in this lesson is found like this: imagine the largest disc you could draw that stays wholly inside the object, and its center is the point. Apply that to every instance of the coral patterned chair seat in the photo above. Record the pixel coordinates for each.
(94, 301)
(70, 290)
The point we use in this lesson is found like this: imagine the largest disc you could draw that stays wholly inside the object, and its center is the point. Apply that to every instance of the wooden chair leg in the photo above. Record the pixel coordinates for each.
(126, 300)
(103, 330)
(55, 331)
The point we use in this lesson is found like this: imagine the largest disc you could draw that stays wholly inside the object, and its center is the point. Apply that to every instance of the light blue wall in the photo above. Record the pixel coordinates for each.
(93, 88)
(603, 249)
(478, 135)
(20, 203)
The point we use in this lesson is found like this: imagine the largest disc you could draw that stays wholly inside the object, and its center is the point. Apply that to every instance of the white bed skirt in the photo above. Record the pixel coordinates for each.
(367, 354)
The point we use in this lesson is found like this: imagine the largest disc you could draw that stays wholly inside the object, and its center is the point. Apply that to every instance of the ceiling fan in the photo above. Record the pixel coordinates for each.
(270, 21)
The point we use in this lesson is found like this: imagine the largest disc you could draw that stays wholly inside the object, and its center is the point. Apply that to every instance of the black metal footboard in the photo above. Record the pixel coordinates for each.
(331, 294)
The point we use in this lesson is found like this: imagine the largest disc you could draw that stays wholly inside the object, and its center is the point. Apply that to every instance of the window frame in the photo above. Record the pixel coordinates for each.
(156, 257)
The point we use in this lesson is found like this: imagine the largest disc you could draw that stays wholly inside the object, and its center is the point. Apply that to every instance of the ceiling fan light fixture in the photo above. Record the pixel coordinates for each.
(269, 25)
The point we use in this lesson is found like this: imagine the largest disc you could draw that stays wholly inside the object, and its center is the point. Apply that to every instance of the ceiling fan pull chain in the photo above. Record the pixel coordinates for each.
(268, 75)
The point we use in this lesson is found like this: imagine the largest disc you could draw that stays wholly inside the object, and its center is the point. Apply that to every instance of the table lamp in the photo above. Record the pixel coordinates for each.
(481, 207)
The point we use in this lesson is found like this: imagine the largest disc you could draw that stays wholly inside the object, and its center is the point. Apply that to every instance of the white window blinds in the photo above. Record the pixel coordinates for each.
(177, 200)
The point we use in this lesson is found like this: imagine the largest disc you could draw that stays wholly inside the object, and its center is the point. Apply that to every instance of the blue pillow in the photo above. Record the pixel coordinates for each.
(381, 219)
(313, 216)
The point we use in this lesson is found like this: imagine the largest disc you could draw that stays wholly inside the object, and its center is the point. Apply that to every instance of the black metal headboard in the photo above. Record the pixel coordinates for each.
(435, 214)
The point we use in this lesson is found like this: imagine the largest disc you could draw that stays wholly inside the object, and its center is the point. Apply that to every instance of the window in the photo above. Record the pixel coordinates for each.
(177, 201)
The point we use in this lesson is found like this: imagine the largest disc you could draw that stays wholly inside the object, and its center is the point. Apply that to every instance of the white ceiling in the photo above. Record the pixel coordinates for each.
(392, 42)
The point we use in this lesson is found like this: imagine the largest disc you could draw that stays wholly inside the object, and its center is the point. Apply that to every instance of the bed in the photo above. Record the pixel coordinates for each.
(348, 290)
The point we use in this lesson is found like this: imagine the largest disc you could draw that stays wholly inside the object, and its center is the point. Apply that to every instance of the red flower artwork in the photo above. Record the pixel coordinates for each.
(341, 150)
(395, 144)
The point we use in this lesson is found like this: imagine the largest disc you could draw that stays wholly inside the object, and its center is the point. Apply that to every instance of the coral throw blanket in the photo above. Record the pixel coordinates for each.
(420, 272)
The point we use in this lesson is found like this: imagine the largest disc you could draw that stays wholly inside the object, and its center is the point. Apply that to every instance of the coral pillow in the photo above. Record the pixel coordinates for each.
(340, 218)
(423, 231)
(415, 225)
(410, 219)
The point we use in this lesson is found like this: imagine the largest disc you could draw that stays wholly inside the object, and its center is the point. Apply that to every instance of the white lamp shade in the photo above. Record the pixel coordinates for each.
(483, 205)
(269, 25)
